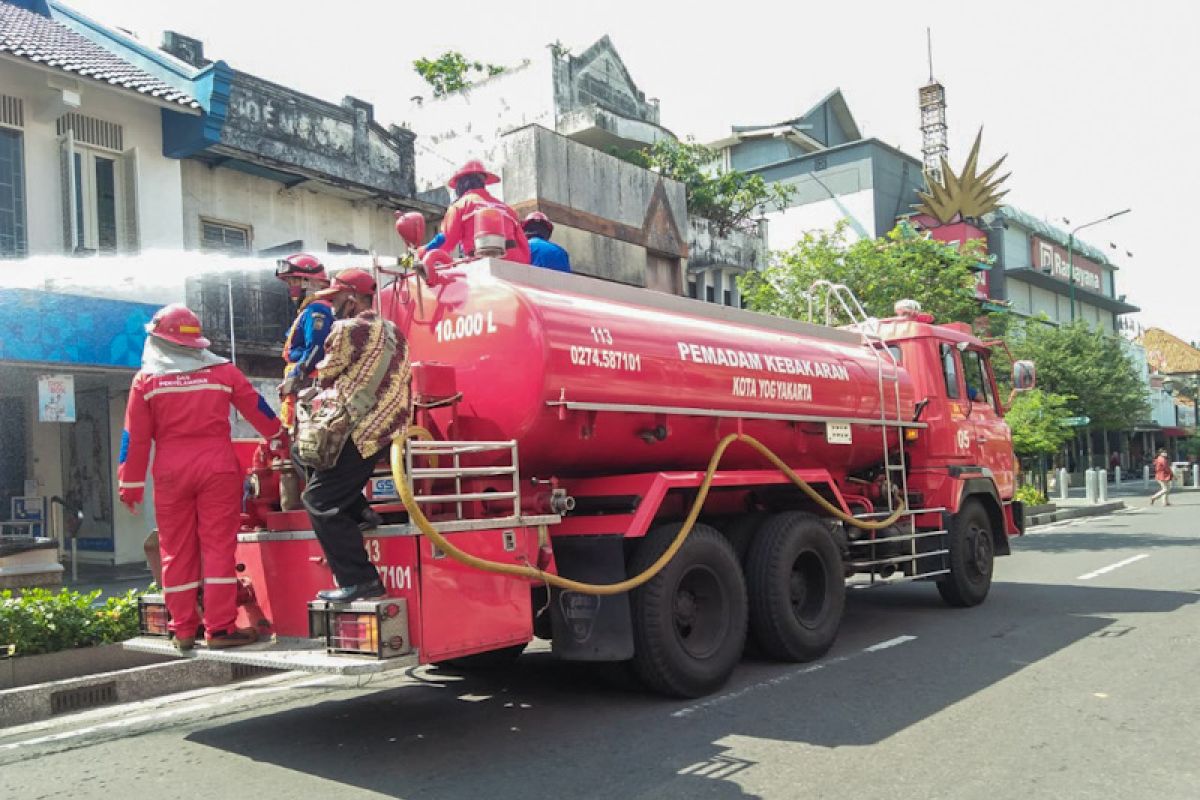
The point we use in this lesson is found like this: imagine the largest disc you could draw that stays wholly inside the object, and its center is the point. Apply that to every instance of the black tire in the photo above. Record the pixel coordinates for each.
(689, 621)
(972, 554)
(797, 588)
(490, 661)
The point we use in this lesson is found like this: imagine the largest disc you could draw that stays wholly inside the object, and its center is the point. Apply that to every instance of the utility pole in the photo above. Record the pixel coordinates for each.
(1071, 253)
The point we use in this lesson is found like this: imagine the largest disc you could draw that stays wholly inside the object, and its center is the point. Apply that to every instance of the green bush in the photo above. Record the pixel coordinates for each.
(41, 621)
(1030, 496)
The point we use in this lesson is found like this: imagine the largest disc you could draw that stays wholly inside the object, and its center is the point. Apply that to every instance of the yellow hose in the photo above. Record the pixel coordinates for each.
(535, 574)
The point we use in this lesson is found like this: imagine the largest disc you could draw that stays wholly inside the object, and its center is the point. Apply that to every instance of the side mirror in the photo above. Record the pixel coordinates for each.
(1024, 376)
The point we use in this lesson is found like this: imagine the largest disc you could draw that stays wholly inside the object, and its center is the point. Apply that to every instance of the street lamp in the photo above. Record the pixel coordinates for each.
(1071, 253)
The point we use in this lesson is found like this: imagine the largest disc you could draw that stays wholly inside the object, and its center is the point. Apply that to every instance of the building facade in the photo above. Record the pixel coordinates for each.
(837, 175)
(132, 177)
(593, 109)
(1031, 272)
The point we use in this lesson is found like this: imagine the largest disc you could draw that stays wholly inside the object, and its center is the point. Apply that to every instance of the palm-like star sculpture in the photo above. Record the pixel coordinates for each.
(969, 195)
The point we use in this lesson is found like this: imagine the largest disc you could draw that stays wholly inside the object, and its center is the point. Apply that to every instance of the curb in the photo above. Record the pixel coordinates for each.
(1075, 512)
(27, 704)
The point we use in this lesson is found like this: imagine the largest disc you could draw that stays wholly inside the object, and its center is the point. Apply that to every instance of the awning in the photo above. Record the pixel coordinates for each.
(1174, 432)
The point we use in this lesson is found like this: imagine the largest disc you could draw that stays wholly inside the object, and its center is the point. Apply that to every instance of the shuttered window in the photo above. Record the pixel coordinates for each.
(222, 237)
(13, 242)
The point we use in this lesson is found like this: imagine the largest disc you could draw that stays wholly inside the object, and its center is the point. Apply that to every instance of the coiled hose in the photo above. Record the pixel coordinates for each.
(541, 576)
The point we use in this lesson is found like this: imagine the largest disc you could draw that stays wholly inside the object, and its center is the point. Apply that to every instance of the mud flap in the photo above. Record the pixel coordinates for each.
(588, 627)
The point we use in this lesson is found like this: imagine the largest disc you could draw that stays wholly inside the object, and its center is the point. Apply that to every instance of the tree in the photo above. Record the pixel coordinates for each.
(1088, 366)
(728, 198)
(451, 71)
(903, 264)
(1036, 419)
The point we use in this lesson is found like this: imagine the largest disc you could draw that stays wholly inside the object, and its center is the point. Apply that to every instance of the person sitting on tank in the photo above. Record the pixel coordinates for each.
(542, 251)
(458, 226)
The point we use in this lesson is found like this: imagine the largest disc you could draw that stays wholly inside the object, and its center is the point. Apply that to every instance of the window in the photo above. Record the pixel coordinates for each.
(692, 290)
(979, 388)
(897, 354)
(950, 370)
(223, 237)
(710, 294)
(728, 297)
(99, 198)
(344, 249)
(13, 243)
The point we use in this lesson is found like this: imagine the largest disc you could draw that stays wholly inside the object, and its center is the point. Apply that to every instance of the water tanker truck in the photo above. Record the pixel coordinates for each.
(641, 478)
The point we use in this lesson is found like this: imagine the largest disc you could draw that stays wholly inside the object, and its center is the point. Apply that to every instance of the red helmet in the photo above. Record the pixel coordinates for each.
(301, 265)
(179, 325)
(411, 227)
(536, 217)
(354, 280)
(470, 168)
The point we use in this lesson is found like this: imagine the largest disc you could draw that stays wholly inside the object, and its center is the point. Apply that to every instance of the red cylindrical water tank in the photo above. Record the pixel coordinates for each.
(529, 345)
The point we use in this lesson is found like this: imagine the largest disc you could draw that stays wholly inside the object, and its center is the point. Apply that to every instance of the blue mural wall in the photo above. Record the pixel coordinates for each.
(68, 329)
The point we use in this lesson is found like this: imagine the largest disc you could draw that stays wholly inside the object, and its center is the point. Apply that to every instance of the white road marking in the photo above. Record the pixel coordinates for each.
(889, 643)
(787, 676)
(1111, 567)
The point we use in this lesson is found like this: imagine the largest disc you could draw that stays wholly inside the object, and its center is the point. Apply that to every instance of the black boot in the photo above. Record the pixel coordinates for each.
(358, 591)
(370, 520)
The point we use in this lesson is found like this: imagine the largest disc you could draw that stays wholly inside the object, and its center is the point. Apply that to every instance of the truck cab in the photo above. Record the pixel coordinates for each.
(958, 398)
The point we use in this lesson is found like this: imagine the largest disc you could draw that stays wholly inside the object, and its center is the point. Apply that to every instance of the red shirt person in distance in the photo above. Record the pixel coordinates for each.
(458, 226)
(180, 401)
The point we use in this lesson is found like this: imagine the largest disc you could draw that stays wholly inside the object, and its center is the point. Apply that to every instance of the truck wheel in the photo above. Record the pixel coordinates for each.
(689, 621)
(972, 551)
(796, 585)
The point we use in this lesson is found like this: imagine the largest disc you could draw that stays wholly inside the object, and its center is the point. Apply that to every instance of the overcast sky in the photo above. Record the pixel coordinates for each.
(1095, 104)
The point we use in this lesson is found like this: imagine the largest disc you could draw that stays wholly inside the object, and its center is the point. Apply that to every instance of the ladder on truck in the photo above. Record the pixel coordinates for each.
(865, 555)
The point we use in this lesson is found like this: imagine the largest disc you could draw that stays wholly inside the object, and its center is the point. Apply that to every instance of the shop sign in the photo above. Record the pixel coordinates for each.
(56, 398)
(1050, 258)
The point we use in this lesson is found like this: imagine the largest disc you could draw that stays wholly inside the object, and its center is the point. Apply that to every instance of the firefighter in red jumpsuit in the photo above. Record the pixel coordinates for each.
(458, 226)
(180, 400)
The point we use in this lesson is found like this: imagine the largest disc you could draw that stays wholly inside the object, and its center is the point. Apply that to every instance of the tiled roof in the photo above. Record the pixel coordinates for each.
(44, 41)
(1168, 353)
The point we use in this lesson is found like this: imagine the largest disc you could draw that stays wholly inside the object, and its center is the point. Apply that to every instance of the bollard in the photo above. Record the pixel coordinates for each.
(1089, 485)
(1145, 477)
(1196, 476)
(1064, 484)
(1116, 476)
(1102, 485)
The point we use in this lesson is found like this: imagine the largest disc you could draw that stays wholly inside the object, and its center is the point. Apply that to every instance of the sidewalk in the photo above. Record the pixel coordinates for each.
(1127, 490)
(108, 579)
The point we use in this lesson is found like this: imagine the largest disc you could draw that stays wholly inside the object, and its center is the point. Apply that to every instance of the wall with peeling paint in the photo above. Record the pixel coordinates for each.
(277, 215)
(618, 221)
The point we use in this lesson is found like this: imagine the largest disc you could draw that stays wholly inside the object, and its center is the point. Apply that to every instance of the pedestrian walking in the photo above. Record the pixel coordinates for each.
(365, 377)
(180, 401)
(1162, 474)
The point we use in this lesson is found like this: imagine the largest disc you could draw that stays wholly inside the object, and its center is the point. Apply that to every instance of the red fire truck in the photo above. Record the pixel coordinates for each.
(642, 477)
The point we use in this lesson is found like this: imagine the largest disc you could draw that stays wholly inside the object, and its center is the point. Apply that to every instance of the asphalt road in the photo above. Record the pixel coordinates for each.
(1078, 678)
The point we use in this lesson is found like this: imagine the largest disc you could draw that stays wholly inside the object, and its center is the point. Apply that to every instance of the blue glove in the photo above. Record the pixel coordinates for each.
(436, 242)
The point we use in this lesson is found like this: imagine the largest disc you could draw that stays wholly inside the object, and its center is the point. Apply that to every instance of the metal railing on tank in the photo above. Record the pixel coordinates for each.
(453, 453)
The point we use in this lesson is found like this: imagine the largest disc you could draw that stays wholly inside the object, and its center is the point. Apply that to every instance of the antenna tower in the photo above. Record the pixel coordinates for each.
(932, 100)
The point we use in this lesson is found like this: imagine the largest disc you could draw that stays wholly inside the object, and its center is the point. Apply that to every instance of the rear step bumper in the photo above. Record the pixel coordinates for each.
(307, 655)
